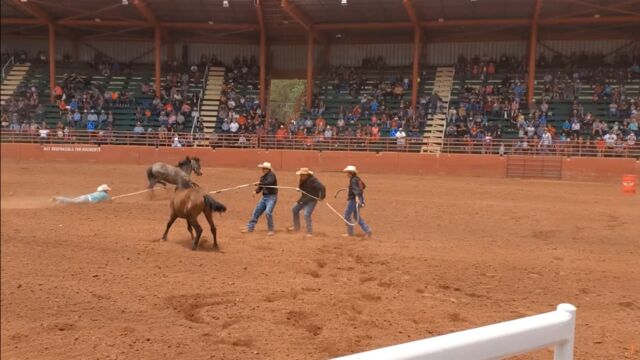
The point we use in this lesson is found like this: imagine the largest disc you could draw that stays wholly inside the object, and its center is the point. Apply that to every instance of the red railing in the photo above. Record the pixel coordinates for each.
(452, 145)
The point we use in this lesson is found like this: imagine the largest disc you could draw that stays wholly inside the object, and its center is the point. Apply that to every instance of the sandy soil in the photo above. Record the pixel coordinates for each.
(95, 282)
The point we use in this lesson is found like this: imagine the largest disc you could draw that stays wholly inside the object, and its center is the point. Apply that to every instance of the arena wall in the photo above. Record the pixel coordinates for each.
(574, 169)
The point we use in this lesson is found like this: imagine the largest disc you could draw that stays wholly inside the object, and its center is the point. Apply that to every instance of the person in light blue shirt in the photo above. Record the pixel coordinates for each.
(101, 194)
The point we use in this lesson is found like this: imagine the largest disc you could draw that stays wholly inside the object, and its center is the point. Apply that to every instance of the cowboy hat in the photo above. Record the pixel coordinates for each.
(304, 171)
(265, 165)
(350, 168)
(104, 187)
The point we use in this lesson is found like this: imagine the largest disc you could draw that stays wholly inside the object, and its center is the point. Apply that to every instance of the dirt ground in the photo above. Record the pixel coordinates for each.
(96, 282)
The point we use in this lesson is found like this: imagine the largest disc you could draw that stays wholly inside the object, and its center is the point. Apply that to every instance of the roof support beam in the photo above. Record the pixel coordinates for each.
(204, 26)
(533, 44)
(591, 20)
(22, 21)
(34, 10)
(589, 11)
(263, 56)
(146, 13)
(408, 6)
(104, 23)
(479, 22)
(301, 18)
(600, 7)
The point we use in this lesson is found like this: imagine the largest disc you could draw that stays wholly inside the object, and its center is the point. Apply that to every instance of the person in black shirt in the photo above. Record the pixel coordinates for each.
(312, 191)
(268, 201)
(355, 201)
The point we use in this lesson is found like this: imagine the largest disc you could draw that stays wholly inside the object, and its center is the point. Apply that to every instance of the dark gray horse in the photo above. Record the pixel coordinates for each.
(161, 173)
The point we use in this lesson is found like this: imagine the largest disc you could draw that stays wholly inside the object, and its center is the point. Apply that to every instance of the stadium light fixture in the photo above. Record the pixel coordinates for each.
(338, 36)
(97, 19)
(597, 16)
(210, 22)
(225, 3)
(125, 2)
(343, 2)
(23, 0)
(440, 19)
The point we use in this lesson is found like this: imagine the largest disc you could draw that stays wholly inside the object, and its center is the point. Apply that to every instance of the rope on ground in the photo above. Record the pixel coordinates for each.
(130, 194)
(306, 193)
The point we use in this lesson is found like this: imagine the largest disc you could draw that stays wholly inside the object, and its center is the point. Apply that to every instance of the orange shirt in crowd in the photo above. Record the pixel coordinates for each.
(57, 90)
(114, 95)
(320, 122)
(281, 133)
(242, 120)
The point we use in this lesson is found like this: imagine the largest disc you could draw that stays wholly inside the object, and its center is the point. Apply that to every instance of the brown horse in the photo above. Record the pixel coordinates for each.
(187, 203)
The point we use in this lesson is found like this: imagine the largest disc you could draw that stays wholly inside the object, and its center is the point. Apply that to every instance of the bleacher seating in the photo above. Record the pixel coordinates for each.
(124, 117)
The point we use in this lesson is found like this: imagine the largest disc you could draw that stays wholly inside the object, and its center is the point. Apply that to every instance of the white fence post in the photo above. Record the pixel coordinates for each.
(552, 329)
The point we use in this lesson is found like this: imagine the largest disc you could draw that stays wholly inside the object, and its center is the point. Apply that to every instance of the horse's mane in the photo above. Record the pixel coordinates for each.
(186, 161)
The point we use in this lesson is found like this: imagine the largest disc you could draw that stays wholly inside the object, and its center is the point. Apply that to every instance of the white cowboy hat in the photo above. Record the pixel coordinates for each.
(104, 187)
(265, 165)
(350, 168)
(304, 171)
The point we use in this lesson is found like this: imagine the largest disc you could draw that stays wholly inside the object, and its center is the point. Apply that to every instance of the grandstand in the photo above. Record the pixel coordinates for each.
(346, 72)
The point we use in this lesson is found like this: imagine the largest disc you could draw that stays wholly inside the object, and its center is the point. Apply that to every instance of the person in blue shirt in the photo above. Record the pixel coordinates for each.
(374, 106)
(101, 194)
(74, 105)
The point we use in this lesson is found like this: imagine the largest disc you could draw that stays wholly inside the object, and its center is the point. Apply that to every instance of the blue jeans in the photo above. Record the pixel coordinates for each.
(265, 205)
(352, 211)
(308, 210)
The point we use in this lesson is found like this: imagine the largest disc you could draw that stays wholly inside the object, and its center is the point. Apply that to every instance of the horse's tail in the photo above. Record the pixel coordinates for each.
(212, 205)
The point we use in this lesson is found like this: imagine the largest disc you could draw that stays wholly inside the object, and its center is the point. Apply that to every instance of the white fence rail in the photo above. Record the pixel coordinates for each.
(510, 338)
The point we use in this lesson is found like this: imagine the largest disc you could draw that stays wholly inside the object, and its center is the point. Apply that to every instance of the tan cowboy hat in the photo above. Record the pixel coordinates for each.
(350, 168)
(104, 187)
(304, 171)
(265, 165)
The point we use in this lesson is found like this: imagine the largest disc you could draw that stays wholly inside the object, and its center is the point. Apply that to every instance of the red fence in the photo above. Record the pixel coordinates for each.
(359, 144)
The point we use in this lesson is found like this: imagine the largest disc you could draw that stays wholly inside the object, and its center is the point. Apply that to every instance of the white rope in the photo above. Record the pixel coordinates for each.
(231, 188)
(306, 193)
(130, 194)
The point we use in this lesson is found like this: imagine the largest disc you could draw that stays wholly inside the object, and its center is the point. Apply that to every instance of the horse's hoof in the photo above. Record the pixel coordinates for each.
(164, 239)
(193, 248)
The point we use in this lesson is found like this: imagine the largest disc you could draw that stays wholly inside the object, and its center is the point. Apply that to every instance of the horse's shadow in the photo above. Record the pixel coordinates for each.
(205, 245)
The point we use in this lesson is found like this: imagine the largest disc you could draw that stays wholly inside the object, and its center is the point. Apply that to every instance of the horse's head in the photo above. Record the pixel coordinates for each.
(195, 165)
(189, 164)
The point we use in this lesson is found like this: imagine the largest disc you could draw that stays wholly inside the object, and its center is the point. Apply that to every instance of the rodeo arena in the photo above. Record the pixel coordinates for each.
(320, 179)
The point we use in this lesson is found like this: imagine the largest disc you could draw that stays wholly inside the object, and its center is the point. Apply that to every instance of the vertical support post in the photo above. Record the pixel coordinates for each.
(533, 44)
(52, 60)
(158, 60)
(564, 351)
(416, 67)
(310, 51)
(263, 56)
(263, 70)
